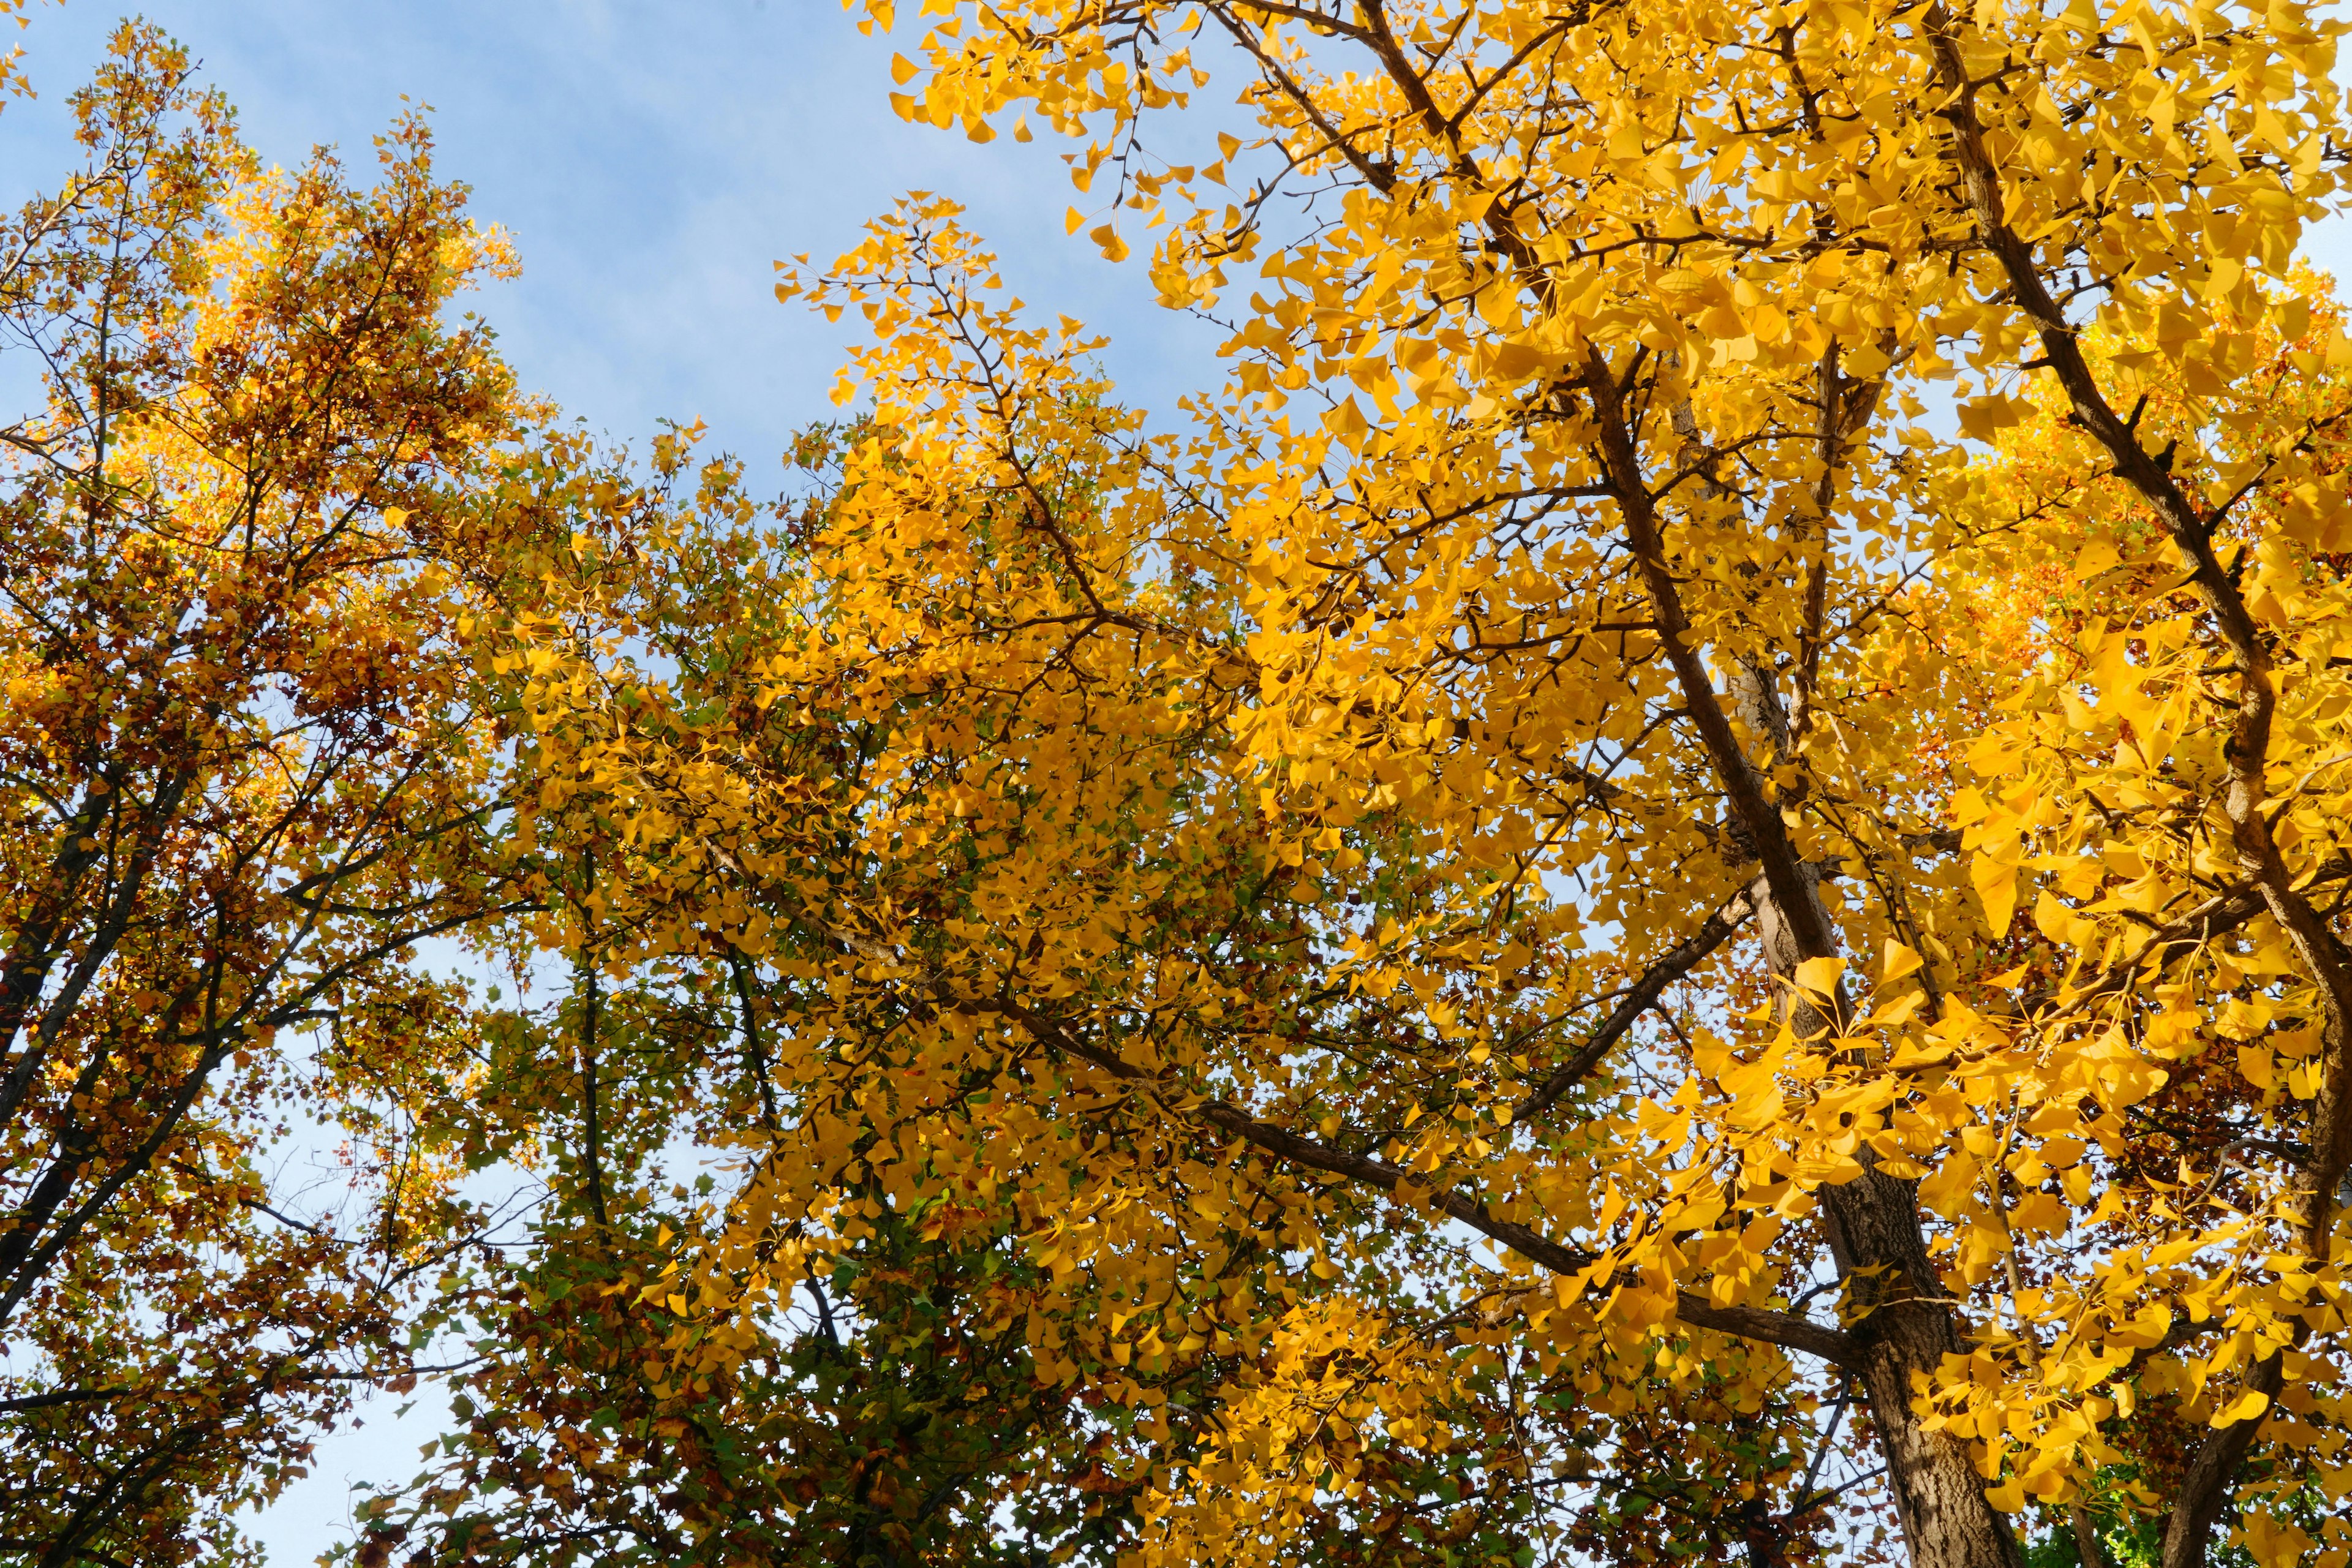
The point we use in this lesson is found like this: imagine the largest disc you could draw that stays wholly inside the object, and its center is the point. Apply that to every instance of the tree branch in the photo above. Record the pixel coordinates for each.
(1670, 966)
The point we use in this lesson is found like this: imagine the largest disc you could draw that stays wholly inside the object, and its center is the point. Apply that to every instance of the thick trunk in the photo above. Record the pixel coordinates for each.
(2205, 1490)
(1902, 1324)
(1901, 1317)
(1906, 1327)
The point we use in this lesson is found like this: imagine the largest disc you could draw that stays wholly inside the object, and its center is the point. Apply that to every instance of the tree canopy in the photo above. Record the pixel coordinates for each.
(1670, 886)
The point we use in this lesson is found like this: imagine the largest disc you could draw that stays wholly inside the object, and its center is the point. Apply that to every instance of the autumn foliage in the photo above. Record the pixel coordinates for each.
(1671, 886)
(247, 767)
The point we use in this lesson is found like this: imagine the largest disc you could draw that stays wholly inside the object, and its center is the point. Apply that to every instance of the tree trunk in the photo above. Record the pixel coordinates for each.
(2086, 1539)
(1902, 1324)
(1901, 1318)
(1907, 1328)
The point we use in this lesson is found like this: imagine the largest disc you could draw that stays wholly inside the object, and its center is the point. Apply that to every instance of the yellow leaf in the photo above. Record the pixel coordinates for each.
(1819, 976)
(1995, 881)
(1983, 418)
(2276, 1544)
(1113, 248)
(2245, 1407)
(2093, 558)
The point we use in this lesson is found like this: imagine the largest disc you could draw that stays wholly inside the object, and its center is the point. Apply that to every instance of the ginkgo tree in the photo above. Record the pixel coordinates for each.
(1566, 926)
(879, 1413)
(1640, 301)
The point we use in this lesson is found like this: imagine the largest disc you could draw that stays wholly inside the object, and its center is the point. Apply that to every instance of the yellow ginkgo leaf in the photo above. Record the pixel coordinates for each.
(1819, 976)
(1995, 881)
(1113, 248)
(2245, 1407)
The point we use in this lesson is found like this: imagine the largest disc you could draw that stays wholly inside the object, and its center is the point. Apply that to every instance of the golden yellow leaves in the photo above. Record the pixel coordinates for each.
(2276, 1544)
(1159, 818)
(12, 75)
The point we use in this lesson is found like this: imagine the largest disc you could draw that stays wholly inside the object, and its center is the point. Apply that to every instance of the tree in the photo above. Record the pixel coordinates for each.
(243, 772)
(878, 1404)
(957, 720)
(1466, 909)
(1633, 538)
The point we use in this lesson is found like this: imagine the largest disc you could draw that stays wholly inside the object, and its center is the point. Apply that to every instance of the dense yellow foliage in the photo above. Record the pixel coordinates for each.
(1565, 875)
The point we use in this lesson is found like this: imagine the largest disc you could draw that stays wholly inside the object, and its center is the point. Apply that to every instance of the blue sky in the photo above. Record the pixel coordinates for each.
(651, 162)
